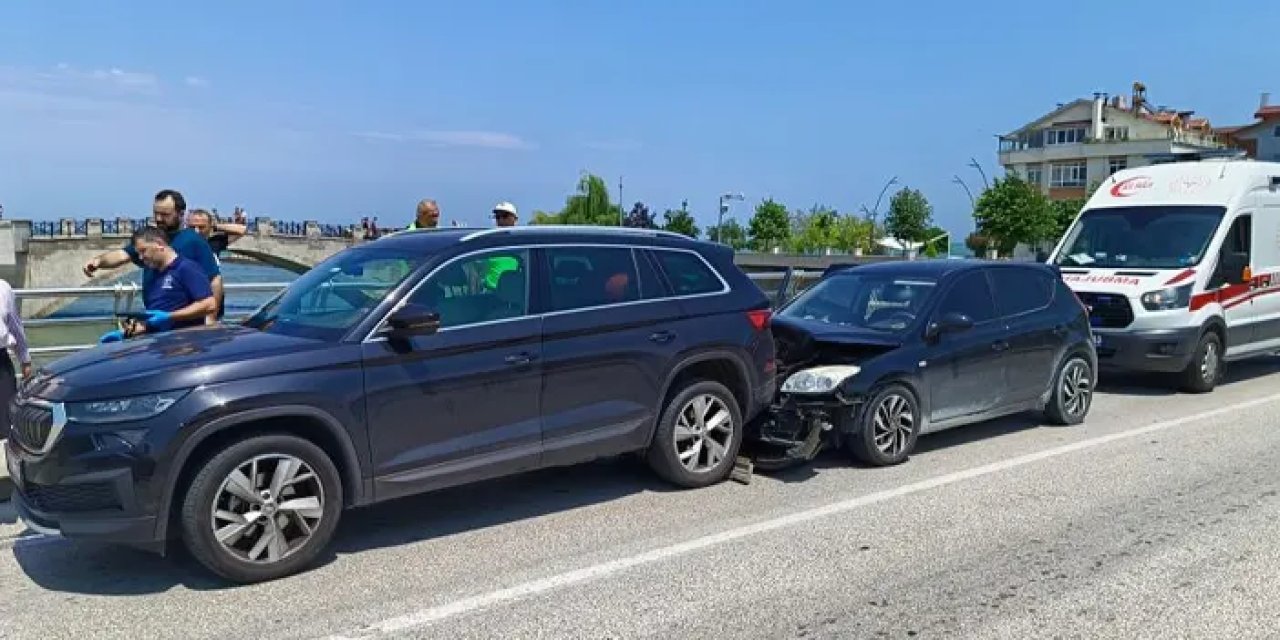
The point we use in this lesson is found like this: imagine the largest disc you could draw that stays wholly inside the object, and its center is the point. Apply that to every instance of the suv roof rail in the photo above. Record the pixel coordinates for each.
(575, 228)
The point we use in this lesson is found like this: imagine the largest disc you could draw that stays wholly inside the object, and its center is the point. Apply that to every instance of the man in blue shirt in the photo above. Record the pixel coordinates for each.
(178, 294)
(167, 211)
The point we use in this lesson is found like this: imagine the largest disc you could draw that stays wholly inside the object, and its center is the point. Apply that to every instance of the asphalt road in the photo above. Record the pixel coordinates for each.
(1156, 519)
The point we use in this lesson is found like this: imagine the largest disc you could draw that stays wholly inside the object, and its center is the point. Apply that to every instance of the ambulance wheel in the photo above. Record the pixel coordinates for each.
(1205, 369)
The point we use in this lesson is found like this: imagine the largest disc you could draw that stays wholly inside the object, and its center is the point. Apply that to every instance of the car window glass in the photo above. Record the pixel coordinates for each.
(1021, 290)
(687, 273)
(971, 296)
(330, 299)
(480, 288)
(581, 277)
(651, 285)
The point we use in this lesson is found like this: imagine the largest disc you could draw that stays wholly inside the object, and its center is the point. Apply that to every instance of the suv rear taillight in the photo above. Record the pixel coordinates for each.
(759, 318)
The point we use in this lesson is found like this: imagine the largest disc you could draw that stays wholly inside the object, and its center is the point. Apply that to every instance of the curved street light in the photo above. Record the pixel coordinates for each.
(723, 209)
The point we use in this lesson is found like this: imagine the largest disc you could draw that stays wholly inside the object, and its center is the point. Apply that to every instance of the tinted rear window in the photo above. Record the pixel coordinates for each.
(582, 277)
(1021, 291)
(687, 273)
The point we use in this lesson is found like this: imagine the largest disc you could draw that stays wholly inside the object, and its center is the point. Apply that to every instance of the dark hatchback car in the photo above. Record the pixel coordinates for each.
(872, 356)
(419, 361)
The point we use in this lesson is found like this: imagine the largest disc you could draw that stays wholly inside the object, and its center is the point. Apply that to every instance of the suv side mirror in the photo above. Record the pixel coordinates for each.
(950, 322)
(412, 320)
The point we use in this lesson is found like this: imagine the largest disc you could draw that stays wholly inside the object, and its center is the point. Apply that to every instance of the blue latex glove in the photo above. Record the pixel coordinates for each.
(159, 321)
(111, 336)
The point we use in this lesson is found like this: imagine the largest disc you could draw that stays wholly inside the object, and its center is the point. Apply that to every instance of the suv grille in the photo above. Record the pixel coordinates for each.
(1107, 310)
(32, 425)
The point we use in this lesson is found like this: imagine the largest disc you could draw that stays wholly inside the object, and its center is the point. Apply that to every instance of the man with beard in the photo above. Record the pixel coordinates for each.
(167, 211)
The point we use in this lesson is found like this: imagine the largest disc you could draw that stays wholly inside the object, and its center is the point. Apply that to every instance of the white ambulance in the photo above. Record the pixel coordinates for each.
(1179, 266)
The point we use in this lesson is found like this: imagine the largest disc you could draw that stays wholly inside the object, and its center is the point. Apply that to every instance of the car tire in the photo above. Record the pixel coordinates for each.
(1205, 369)
(1071, 391)
(218, 499)
(888, 428)
(698, 436)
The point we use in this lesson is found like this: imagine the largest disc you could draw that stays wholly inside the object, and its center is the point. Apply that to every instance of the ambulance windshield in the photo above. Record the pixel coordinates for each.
(1151, 237)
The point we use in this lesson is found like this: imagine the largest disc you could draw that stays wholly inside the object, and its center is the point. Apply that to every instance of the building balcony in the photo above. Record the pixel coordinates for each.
(1175, 142)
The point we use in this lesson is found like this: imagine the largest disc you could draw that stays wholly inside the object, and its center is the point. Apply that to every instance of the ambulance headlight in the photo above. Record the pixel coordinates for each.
(1167, 298)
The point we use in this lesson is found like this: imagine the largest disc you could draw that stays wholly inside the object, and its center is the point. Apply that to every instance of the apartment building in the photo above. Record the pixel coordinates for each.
(1260, 140)
(1079, 144)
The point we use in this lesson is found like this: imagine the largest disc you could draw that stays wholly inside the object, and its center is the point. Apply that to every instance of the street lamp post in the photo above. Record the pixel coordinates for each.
(974, 163)
(875, 211)
(973, 206)
(724, 208)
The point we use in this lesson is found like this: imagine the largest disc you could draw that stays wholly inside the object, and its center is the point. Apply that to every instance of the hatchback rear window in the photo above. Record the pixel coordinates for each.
(1021, 291)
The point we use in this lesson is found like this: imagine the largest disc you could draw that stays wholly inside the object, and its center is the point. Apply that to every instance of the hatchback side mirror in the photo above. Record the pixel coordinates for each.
(950, 322)
(412, 320)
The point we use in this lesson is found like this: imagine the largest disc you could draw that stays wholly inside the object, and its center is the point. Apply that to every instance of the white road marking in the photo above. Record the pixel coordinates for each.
(430, 615)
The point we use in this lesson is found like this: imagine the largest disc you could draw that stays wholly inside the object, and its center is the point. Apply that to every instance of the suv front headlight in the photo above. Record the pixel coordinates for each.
(819, 379)
(123, 409)
(1167, 298)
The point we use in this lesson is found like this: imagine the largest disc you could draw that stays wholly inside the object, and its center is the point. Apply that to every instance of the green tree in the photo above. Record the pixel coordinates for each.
(977, 243)
(731, 233)
(680, 221)
(910, 216)
(1012, 212)
(852, 232)
(1064, 213)
(770, 226)
(813, 230)
(589, 206)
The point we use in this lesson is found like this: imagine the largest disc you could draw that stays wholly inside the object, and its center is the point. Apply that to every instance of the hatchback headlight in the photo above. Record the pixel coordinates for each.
(123, 409)
(1167, 298)
(819, 379)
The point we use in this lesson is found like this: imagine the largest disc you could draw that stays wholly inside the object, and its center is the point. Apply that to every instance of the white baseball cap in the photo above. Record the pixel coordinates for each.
(505, 207)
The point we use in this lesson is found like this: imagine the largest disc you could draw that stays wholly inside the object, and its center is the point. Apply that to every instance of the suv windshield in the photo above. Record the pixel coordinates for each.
(1157, 237)
(327, 301)
(881, 302)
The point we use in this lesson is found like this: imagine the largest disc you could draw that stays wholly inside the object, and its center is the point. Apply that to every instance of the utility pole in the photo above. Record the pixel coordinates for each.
(723, 209)
(621, 205)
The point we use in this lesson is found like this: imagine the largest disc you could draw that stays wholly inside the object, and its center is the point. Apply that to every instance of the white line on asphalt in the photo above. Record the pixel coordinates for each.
(471, 604)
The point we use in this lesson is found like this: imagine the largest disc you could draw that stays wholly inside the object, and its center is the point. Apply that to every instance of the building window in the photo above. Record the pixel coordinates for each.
(1277, 131)
(1117, 134)
(1068, 174)
(1117, 164)
(1035, 174)
(1065, 136)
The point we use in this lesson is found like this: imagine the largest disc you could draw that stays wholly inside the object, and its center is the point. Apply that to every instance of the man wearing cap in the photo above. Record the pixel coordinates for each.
(428, 215)
(504, 214)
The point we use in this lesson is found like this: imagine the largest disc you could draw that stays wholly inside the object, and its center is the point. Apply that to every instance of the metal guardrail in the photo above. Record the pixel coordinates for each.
(125, 293)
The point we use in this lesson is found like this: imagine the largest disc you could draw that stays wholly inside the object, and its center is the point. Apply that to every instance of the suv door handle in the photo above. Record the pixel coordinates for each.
(518, 359)
(662, 337)
(999, 345)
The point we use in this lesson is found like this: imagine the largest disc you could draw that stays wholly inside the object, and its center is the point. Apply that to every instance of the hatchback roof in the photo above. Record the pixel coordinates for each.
(435, 239)
(936, 268)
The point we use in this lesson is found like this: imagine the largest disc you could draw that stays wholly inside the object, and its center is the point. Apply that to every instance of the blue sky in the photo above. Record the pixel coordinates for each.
(331, 110)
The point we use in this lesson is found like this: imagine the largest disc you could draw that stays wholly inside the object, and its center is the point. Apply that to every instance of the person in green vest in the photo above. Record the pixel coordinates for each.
(504, 215)
(428, 215)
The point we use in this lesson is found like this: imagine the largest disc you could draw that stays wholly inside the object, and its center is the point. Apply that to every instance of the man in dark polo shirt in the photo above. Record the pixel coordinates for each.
(167, 211)
(177, 296)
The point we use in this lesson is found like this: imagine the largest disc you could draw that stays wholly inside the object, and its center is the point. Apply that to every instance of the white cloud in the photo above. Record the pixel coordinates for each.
(479, 139)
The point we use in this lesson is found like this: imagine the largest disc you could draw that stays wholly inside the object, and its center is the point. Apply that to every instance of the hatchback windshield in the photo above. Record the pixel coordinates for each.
(1154, 237)
(872, 301)
(327, 301)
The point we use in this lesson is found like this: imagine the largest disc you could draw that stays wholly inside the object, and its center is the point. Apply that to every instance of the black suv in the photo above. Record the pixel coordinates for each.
(419, 361)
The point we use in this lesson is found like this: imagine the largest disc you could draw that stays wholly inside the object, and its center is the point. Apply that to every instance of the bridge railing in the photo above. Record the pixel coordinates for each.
(124, 226)
(124, 296)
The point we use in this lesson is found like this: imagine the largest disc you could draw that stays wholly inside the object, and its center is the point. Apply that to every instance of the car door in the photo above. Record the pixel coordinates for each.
(608, 338)
(1023, 299)
(462, 404)
(964, 370)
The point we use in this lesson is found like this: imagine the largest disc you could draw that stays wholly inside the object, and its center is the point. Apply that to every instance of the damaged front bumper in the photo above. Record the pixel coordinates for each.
(798, 427)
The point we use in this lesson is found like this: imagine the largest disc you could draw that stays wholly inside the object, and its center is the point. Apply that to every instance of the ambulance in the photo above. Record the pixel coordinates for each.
(1179, 267)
